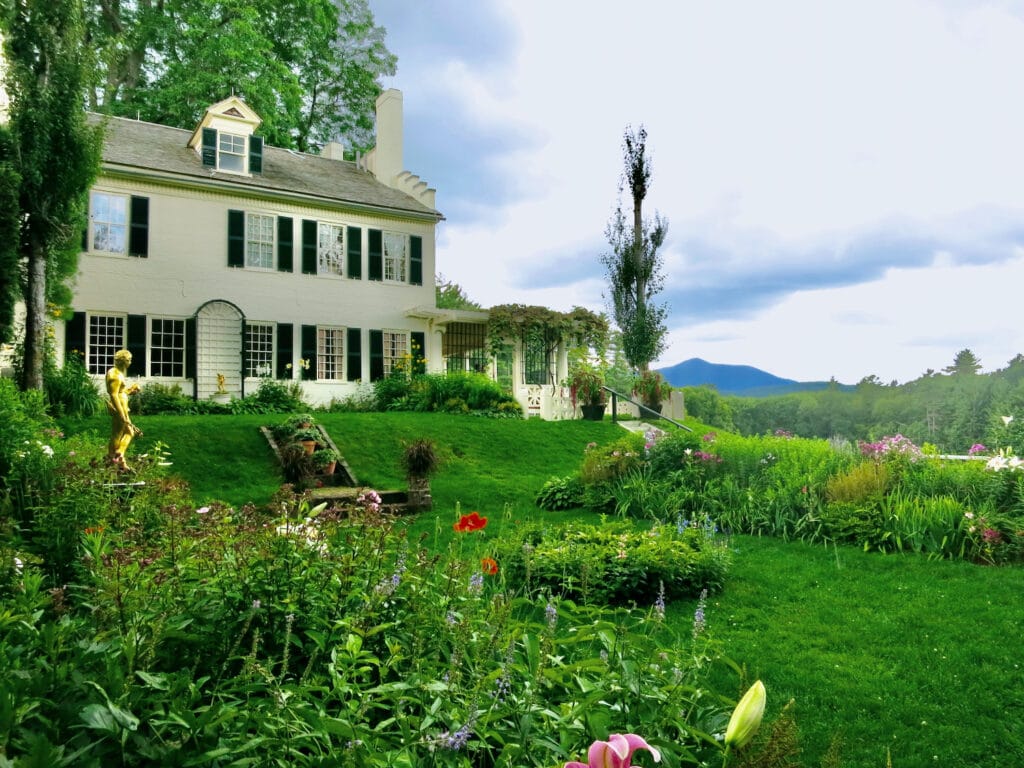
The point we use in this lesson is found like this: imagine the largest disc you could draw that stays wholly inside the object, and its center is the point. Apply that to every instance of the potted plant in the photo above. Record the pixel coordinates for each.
(325, 460)
(419, 460)
(586, 386)
(309, 437)
(652, 389)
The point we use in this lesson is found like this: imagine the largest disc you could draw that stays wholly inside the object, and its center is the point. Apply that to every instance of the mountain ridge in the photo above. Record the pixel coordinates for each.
(742, 380)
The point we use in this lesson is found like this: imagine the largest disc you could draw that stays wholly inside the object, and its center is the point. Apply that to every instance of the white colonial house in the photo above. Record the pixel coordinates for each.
(208, 252)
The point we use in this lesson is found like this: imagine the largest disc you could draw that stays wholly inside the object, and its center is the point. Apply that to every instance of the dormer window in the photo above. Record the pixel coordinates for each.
(228, 151)
(225, 138)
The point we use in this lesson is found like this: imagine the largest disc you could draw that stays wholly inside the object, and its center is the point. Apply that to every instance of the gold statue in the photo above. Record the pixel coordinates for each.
(121, 429)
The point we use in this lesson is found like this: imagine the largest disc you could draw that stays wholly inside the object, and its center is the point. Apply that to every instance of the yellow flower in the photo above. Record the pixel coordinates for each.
(746, 718)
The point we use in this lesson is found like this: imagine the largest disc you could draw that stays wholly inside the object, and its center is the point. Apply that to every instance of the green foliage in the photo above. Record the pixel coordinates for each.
(560, 493)
(866, 481)
(70, 390)
(507, 323)
(586, 384)
(273, 396)
(54, 157)
(615, 563)
(10, 271)
(310, 69)
(705, 405)
(451, 295)
(324, 634)
(155, 397)
(634, 267)
(447, 393)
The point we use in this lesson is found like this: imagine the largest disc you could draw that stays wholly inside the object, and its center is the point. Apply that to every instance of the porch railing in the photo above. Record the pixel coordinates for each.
(643, 408)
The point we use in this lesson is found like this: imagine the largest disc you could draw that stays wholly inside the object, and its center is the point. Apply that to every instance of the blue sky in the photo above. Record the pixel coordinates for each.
(844, 182)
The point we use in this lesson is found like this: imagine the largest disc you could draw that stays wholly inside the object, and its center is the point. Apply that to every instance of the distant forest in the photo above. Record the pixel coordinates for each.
(953, 409)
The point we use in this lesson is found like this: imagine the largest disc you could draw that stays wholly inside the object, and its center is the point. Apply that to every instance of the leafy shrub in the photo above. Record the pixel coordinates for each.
(160, 398)
(560, 493)
(863, 482)
(70, 390)
(616, 563)
(272, 396)
(322, 637)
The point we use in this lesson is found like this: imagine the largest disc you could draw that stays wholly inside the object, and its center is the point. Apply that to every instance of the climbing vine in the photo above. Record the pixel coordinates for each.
(510, 322)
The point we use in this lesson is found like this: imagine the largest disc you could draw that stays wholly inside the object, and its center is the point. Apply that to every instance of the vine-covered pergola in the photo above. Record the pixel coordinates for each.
(544, 329)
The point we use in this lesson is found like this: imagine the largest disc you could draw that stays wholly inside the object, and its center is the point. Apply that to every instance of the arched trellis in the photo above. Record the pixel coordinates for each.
(219, 348)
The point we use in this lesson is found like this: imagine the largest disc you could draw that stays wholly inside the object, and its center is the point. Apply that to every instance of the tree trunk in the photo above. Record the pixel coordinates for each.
(638, 259)
(35, 319)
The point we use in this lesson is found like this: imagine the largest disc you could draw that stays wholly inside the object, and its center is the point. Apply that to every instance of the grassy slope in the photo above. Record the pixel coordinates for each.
(922, 657)
(919, 656)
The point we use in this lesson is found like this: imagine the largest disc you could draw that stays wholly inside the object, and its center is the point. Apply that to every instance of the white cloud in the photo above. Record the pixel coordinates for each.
(791, 142)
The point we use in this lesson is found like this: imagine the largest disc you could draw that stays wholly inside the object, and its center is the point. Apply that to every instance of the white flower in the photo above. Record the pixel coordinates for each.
(47, 450)
(19, 566)
(1007, 420)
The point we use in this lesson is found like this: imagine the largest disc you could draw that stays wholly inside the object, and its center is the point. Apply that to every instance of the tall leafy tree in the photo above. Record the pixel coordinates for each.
(53, 154)
(310, 68)
(451, 295)
(634, 266)
(10, 269)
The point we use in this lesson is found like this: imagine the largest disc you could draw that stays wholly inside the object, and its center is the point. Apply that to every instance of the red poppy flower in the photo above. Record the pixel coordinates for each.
(489, 566)
(470, 522)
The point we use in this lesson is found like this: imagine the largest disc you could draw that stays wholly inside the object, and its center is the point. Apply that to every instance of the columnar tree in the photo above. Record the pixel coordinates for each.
(53, 154)
(634, 266)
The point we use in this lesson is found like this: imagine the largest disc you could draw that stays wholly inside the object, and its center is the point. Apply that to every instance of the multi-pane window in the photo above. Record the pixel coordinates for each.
(396, 351)
(395, 256)
(231, 152)
(330, 353)
(259, 349)
(109, 222)
(536, 362)
(464, 347)
(167, 347)
(330, 249)
(106, 336)
(259, 241)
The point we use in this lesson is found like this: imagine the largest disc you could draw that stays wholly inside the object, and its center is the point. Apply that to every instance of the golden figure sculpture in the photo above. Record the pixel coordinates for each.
(121, 428)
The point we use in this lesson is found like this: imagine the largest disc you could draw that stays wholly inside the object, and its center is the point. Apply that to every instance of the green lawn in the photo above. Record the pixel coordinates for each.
(920, 657)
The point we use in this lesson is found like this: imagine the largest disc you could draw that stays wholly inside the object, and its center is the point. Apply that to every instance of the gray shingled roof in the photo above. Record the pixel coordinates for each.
(139, 145)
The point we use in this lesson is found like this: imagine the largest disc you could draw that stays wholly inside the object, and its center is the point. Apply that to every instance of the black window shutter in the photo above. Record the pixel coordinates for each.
(138, 235)
(255, 154)
(285, 242)
(375, 257)
(191, 358)
(309, 349)
(354, 254)
(354, 354)
(136, 344)
(376, 355)
(419, 352)
(285, 345)
(236, 238)
(85, 239)
(210, 146)
(308, 247)
(74, 336)
(415, 260)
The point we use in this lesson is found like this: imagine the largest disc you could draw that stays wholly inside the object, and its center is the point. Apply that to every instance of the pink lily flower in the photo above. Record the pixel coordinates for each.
(614, 753)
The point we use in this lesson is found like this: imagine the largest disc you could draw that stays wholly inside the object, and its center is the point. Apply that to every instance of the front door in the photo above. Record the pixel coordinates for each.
(218, 348)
